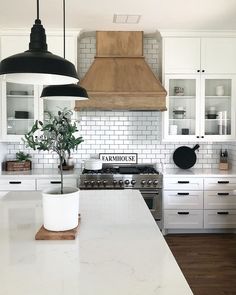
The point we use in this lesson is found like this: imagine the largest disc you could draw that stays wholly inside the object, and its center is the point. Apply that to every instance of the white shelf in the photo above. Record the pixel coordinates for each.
(180, 119)
(182, 96)
(217, 96)
(15, 119)
(217, 119)
(19, 96)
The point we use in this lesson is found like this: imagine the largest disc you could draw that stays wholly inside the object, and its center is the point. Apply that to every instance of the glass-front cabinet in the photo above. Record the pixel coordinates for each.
(19, 109)
(199, 108)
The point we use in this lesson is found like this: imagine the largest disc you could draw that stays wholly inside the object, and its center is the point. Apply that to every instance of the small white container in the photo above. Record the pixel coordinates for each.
(93, 164)
(173, 129)
(220, 90)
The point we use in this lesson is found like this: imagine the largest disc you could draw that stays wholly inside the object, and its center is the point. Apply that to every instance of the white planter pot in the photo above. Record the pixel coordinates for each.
(60, 212)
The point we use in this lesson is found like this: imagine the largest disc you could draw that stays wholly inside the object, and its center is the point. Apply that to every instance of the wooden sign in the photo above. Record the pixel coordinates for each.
(116, 158)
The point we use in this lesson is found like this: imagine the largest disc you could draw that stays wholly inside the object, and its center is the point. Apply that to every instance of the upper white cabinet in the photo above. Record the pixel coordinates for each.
(190, 55)
(181, 55)
(17, 43)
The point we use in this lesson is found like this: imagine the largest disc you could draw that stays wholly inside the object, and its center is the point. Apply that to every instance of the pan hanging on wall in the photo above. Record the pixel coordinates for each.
(185, 157)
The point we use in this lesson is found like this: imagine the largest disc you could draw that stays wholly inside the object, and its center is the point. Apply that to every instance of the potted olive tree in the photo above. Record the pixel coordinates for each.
(60, 205)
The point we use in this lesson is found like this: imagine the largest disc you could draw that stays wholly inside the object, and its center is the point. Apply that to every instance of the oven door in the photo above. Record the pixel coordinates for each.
(154, 202)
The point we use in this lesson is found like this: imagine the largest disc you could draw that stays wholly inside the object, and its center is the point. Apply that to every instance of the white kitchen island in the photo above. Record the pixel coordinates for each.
(119, 249)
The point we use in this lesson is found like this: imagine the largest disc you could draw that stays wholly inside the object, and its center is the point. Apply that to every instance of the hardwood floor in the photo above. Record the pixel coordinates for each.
(207, 261)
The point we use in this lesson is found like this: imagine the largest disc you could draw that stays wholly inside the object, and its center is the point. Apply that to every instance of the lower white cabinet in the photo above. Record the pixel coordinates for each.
(199, 203)
(17, 184)
(183, 219)
(219, 219)
(183, 199)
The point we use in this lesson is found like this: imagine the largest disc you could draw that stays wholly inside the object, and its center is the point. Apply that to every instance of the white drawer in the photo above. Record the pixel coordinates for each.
(17, 184)
(183, 199)
(219, 218)
(222, 183)
(183, 219)
(183, 183)
(219, 200)
(55, 182)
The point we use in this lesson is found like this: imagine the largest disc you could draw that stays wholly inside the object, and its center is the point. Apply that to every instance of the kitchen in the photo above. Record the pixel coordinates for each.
(140, 132)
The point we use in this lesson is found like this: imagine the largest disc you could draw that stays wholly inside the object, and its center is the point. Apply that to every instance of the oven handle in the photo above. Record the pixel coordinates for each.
(149, 192)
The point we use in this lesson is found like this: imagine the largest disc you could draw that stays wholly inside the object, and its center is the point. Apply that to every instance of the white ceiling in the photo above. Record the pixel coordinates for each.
(92, 15)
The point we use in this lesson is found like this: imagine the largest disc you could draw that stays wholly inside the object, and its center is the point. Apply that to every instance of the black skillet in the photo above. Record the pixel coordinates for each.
(185, 157)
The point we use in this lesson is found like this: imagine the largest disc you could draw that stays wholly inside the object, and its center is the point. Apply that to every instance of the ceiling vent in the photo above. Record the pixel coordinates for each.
(126, 18)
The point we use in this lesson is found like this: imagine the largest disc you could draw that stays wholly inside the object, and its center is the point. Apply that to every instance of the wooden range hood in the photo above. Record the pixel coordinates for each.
(119, 78)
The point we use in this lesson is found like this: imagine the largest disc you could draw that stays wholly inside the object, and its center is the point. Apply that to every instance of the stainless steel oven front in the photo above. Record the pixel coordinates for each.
(153, 199)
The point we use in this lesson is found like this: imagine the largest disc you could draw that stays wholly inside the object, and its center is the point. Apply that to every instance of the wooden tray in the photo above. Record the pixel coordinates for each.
(44, 234)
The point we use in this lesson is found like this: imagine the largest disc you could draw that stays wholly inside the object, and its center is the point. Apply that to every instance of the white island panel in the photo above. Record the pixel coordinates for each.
(119, 249)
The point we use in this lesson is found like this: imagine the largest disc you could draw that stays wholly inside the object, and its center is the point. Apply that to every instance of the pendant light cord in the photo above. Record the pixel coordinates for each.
(37, 9)
(64, 29)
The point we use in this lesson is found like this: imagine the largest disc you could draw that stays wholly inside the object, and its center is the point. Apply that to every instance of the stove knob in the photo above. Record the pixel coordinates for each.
(86, 183)
(120, 182)
(114, 182)
(143, 182)
(127, 182)
(92, 182)
(104, 182)
(149, 182)
(133, 182)
(98, 182)
(155, 182)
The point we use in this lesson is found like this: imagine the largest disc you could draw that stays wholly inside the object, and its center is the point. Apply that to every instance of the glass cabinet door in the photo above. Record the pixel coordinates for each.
(218, 107)
(182, 107)
(53, 106)
(19, 108)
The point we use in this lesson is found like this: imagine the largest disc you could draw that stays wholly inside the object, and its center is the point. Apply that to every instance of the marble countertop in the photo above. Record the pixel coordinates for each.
(200, 172)
(119, 249)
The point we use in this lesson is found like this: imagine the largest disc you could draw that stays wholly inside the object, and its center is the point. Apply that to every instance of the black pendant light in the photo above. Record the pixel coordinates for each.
(69, 91)
(37, 65)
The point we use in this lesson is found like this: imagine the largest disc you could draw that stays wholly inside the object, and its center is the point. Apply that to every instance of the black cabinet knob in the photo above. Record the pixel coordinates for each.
(203, 71)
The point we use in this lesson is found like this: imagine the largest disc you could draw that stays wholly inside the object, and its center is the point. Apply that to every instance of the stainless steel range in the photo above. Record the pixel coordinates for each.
(143, 177)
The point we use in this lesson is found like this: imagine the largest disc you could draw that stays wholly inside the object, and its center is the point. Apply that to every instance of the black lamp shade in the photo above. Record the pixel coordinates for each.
(29, 65)
(64, 92)
(37, 65)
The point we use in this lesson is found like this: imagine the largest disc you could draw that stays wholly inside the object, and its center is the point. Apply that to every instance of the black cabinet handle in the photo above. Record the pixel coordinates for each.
(14, 182)
(180, 181)
(203, 71)
(198, 71)
(182, 194)
(223, 182)
(202, 136)
(55, 182)
(198, 136)
(222, 194)
(183, 213)
(223, 213)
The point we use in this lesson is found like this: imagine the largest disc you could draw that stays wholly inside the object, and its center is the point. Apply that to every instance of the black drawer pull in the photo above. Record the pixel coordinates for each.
(223, 182)
(180, 181)
(222, 194)
(223, 213)
(14, 182)
(55, 182)
(182, 194)
(183, 213)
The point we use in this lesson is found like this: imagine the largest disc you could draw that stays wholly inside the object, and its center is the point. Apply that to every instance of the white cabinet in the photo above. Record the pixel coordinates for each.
(202, 203)
(190, 55)
(15, 42)
(17, 184)
(181, 55)
(200, 108)
(183, 203)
